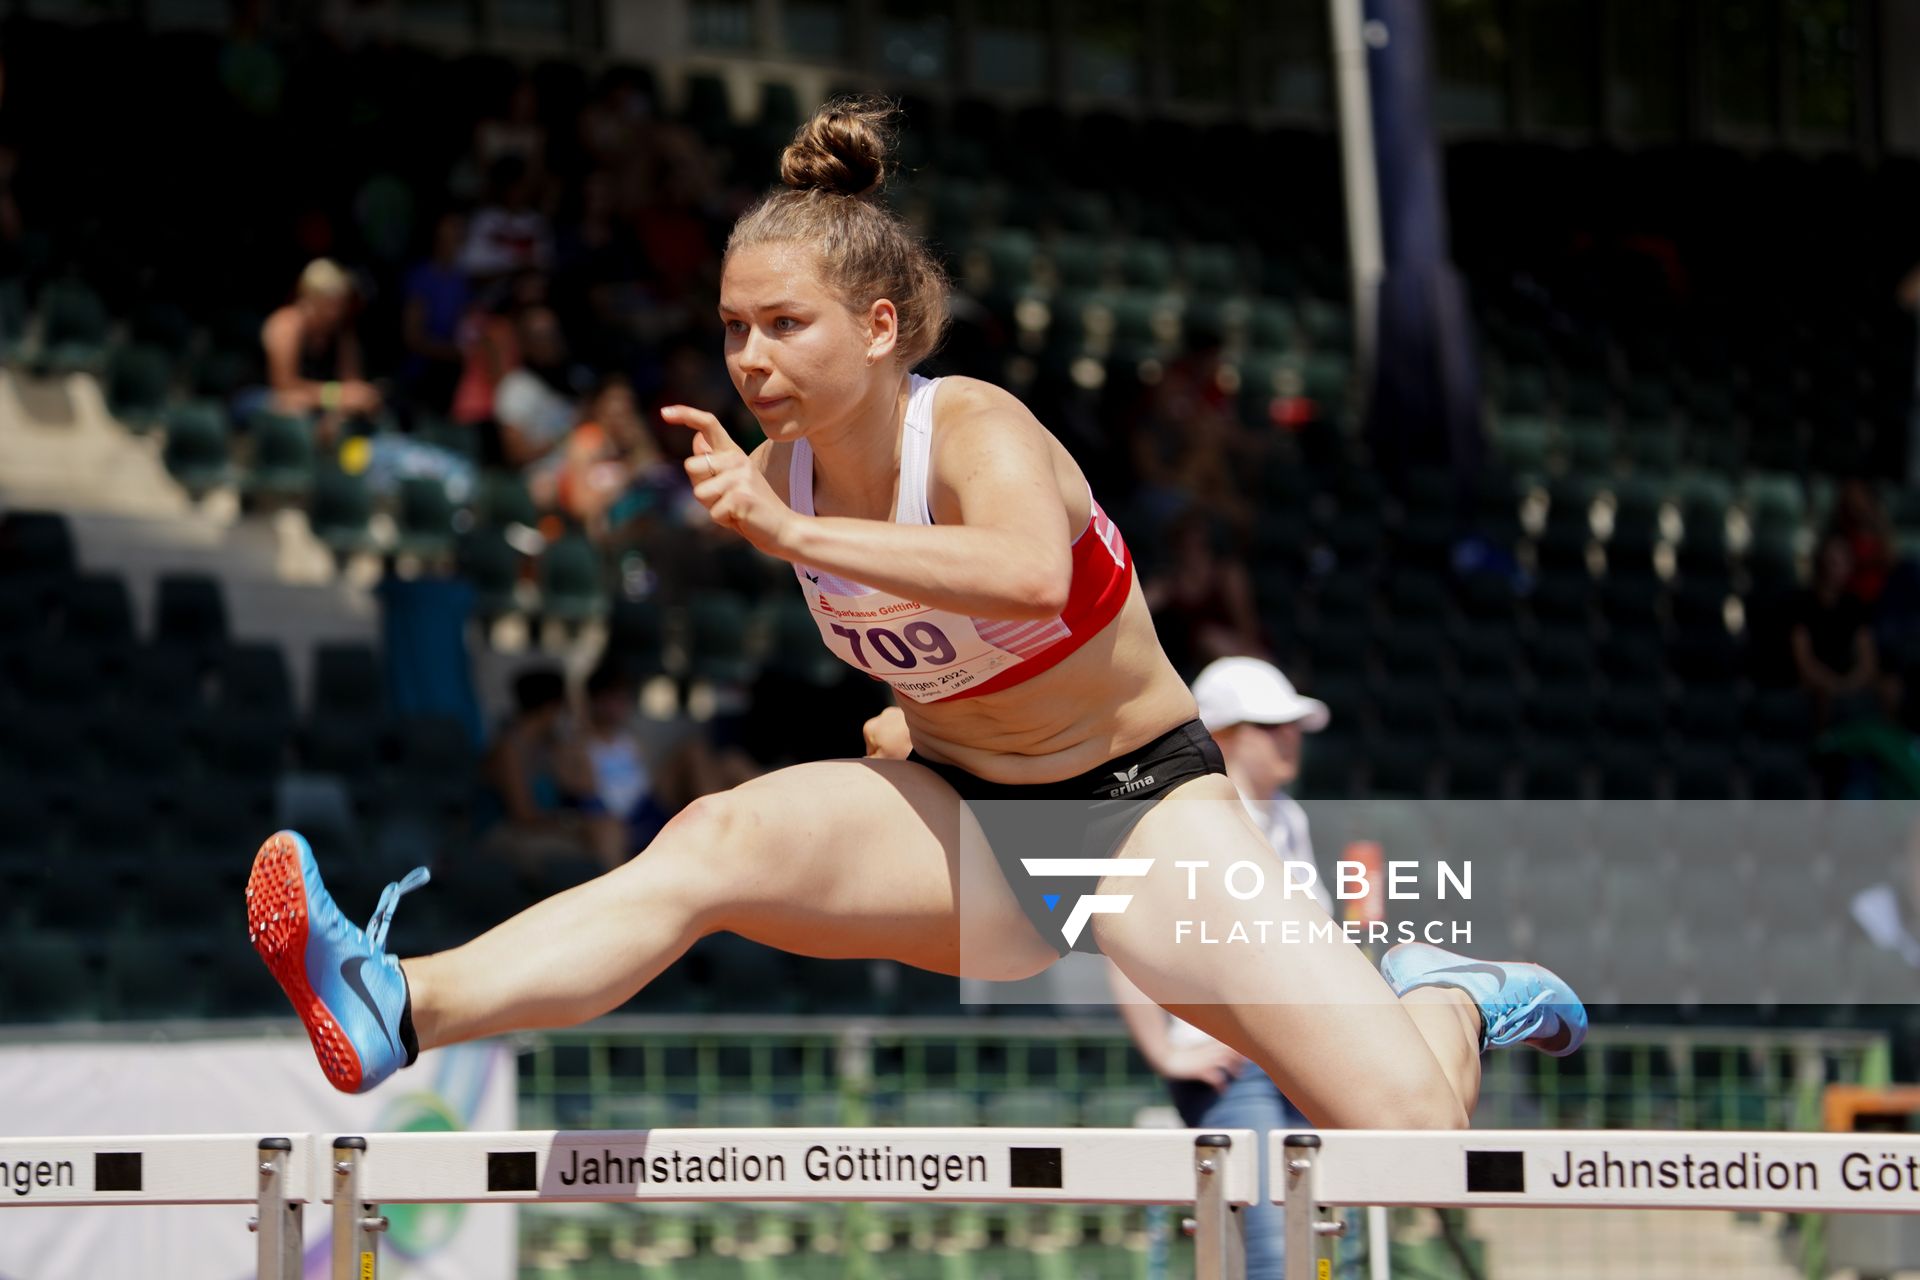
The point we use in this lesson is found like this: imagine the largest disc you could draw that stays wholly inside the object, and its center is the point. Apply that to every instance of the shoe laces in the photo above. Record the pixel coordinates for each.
(389, 899)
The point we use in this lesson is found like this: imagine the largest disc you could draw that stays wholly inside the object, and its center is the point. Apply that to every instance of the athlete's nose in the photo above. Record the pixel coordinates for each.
(753, 353)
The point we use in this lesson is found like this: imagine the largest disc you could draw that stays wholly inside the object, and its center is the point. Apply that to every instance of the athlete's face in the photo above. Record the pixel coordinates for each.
(796, 355)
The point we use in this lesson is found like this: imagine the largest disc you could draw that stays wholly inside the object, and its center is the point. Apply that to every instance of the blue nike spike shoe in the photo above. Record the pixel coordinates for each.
(1519, 1003)
(347, 990)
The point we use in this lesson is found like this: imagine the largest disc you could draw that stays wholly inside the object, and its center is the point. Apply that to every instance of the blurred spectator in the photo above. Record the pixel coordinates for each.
(611, 468)
(313, 357)
(534, 403)
(490, 345)
(1833, 645)
(509, 233)
(546, 785)
(437, 299)
(1908, 295)
(622, 782)
(515, 134)
(1861, 519)
(1201, 596)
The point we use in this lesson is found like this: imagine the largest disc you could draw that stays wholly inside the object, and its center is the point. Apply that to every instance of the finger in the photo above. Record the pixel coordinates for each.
(708, 427)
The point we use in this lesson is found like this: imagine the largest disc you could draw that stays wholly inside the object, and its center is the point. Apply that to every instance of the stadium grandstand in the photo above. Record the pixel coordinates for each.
(335, 496)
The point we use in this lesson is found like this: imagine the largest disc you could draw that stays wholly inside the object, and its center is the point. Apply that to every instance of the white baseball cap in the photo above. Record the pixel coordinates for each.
(1249, 691)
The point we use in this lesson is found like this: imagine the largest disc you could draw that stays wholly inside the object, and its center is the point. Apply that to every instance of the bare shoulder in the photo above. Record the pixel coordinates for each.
(281, 325)
(968, 404)
(980, 422)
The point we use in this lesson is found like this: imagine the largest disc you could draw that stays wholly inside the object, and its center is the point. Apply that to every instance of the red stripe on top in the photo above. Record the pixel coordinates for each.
(1102, 579)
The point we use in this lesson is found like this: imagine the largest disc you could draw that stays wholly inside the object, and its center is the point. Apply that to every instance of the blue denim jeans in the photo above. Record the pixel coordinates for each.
(1251, 1101)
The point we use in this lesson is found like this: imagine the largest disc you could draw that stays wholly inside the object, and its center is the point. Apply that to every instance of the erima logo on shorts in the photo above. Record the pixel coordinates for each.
(1091, 904)
(1128, 782)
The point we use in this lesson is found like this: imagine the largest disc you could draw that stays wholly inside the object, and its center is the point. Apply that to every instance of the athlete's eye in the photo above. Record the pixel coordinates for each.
(736, 327)
(781, 324)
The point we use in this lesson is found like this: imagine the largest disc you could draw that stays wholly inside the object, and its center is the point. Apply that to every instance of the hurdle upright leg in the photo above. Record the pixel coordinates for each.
(355, 1223)
(276, 1220)
(1220, 1247)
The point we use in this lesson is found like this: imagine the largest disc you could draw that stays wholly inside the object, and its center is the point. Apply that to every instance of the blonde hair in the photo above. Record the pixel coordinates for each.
(323, 278)
(833, 171)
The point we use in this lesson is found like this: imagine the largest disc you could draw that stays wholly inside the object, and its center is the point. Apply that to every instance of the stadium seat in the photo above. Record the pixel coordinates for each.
(1489, 708)
(245, 746)
(97, 616)
(282, 463)
(253, 680)
(1561, 655)
(1562, 714)
(1487, 651)
(196, 451)
(347, 679)
(74, 329)
(144, 751)
(1552, 774)
(137, 382)
(636, 638)
(190, 612)
(492, 565)
(163, 681)
(438, 765)
(426, 519)
(58, 679)
(156, 975)
(716, 638)
(750, 978)
(570, 580)
(64, 987)
(339, 509)
(504, 501)
(163, 327)
(36, 553)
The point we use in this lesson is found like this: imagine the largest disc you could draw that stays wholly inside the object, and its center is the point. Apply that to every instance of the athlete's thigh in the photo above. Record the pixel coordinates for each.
(1250, 971)
(868, 858)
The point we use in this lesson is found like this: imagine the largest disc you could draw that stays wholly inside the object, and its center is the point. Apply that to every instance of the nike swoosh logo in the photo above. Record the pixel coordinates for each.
(350, 972)
(1491, 970)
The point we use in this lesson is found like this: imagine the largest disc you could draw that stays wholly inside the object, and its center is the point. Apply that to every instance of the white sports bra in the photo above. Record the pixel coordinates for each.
(927, 654)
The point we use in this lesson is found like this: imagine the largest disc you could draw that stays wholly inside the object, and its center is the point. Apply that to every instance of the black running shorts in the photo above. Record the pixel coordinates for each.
(1083, 817)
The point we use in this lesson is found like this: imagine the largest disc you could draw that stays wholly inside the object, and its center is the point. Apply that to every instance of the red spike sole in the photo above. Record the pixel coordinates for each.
(277, 927)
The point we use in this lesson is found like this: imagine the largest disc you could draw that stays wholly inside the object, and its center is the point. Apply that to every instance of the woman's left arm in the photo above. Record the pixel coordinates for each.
(1003, 552)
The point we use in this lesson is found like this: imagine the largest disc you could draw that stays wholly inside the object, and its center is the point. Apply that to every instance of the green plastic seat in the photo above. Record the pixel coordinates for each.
(138, 379)
(716, 627)
(426, 518)
(74, 325)
(196, 450)
(570, 580)
(283, 456)
(493, 567)
(339, 509)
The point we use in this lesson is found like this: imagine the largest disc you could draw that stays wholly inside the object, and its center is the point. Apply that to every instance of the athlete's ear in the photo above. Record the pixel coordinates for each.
(883, 330)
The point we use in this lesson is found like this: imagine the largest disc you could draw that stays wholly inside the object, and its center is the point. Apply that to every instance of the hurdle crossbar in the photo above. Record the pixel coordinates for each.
(1218, 1172)
(1584, 1169)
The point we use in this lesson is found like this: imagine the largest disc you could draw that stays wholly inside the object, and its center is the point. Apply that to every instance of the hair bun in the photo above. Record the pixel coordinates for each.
(843, 150)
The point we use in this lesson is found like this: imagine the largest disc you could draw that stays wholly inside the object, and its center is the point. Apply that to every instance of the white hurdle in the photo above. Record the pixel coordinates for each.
(1583, 1169)
(1217, 1172)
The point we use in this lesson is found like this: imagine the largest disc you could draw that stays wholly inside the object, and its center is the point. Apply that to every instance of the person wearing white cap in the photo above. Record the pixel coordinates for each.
(1259, 721)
